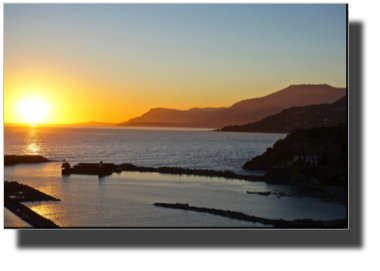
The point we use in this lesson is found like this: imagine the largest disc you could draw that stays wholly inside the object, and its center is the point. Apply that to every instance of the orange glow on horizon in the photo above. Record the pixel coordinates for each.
(64, 97)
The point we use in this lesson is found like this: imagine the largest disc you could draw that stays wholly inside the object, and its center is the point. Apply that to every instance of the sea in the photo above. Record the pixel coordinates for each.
(125, 200)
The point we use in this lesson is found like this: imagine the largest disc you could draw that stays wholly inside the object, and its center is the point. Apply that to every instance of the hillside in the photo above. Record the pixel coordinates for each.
(294, 95)
(295, 118)
(328, 144)
(243, 112)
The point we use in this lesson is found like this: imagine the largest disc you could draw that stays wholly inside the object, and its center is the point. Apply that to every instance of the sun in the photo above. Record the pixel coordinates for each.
(33, 110)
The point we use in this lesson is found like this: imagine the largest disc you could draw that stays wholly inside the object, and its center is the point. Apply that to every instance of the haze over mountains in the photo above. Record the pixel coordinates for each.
(243, 112)
(93, 123)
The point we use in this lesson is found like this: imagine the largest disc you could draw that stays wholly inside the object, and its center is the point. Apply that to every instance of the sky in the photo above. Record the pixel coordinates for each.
(69, 63)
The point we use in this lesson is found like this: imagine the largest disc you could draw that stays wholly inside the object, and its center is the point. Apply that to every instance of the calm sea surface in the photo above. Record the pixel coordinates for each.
(126, 199)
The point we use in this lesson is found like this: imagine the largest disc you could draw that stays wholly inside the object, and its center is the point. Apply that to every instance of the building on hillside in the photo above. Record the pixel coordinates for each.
(307, 159)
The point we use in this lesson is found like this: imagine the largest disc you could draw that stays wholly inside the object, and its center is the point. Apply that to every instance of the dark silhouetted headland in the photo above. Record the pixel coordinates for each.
(318, 156)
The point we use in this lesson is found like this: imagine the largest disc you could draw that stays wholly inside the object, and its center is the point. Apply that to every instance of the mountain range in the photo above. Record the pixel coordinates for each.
(297, 117)
(242, 112)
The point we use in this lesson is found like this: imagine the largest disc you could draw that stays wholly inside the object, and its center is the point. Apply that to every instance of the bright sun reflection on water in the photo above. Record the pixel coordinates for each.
(32, 144)
(43, 210)
(33, 148)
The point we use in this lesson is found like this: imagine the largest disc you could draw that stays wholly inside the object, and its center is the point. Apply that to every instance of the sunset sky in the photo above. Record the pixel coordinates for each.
(109, 63)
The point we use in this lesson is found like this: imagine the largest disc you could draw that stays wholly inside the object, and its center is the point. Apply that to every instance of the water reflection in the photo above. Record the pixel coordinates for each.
(65, 178)
(101, 180)
(32, 142)
(43, 210)
(33, 148)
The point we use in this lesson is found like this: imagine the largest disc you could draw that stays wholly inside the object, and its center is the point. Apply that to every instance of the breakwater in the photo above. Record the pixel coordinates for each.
(277, 223)
(198, 172)
(333, 193)
(15, 193)
(17, 159)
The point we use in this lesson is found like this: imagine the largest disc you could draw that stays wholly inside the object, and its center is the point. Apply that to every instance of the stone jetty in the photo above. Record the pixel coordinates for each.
(17, 159)
(277, 223)
(198, 172)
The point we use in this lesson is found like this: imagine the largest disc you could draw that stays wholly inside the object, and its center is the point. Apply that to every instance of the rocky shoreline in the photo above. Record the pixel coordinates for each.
(15, 194)
(277, 223)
